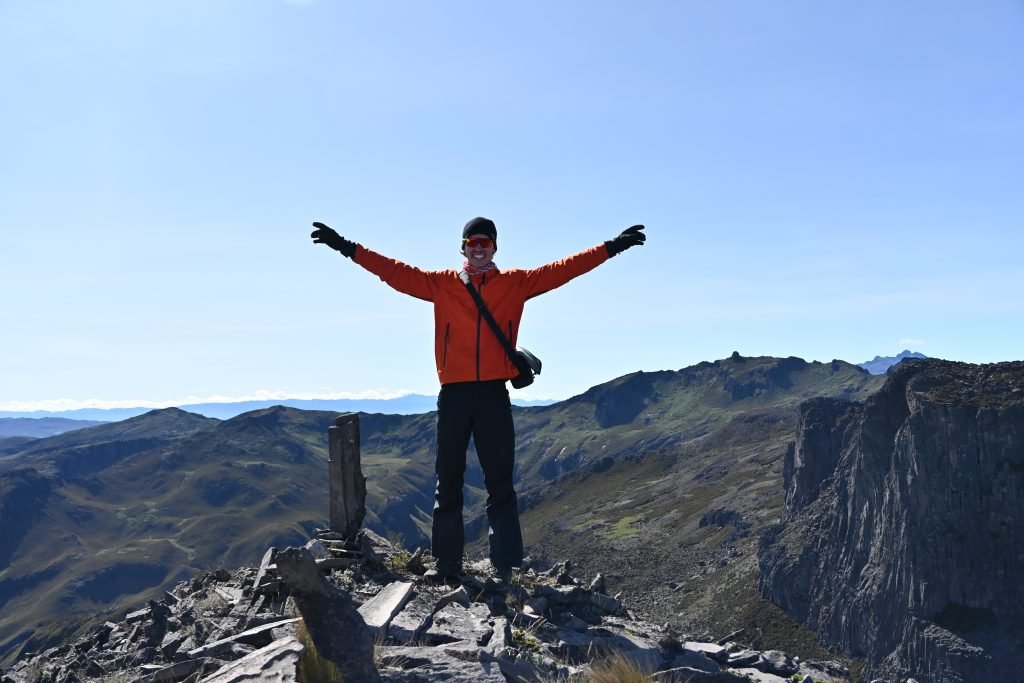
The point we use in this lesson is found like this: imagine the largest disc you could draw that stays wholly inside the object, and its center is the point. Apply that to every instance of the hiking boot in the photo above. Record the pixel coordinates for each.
(446, 571)
(500, 581)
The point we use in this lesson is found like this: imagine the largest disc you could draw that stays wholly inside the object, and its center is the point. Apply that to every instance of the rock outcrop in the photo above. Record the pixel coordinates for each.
(268, 623)
(902, 539)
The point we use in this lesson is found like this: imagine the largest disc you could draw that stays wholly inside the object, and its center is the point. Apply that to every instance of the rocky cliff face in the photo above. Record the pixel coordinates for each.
(902, 537)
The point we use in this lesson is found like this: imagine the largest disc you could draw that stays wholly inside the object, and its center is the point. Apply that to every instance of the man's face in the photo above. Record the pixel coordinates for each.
(479, 250)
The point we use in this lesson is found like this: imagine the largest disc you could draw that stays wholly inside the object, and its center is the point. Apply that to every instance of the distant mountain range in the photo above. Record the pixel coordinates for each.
(880, 365)
(39, 423)
(39, 427)
(410, 404)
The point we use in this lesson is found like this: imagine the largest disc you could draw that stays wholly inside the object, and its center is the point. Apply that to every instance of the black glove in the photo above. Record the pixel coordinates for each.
(630, 237)
(326, 235)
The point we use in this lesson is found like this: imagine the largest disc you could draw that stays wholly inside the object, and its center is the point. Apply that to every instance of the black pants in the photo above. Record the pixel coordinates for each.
(483, 410)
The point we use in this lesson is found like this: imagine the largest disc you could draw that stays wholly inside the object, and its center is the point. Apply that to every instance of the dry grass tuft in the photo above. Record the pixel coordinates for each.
(312, 667)
(618, 669)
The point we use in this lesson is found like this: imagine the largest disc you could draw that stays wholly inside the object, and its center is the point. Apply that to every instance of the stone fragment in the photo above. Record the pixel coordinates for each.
(571, 621)
(329, 563)
(687, 675)
(535, 606)
(262, 574)
(694, 660)
(604, 603)
(231, 595)
(336, 628)
(317, 549)
(454, 622)
(779, 663)
(712, 650)
(577, 648)
(378, 611)
(516, 666)
(758, 676)
(743, 658)
(823, 671)
(190, 643)
(171, 643)
(284, 631)
(440, 665)
(178, 672)
(408, 625)
(415, 563)
(501, 636)
(275, 662)
(252, 636)
(571, 646)
(459, 595)
(137, 616)
(598, 585)
(558, 595)
(463, 649)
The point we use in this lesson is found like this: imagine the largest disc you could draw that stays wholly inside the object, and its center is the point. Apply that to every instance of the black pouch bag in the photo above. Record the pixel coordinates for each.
(528, 366)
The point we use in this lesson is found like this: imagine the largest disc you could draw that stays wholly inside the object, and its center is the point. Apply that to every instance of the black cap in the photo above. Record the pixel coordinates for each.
(481, 226)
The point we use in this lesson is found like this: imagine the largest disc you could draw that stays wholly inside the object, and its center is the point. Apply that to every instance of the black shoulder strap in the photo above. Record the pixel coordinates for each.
(512, 356)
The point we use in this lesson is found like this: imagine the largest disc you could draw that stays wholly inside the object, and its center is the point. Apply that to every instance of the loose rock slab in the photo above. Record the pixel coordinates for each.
(379, 610)
(409, 624)
(454, 622)
(220, 646)
(439, 665)
(276, 662)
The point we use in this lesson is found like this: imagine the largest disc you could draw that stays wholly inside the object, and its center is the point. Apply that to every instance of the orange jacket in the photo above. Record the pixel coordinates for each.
(465, 347)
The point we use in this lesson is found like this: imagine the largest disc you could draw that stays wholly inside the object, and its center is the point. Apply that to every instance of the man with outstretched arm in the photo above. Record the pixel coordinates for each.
(473, 366)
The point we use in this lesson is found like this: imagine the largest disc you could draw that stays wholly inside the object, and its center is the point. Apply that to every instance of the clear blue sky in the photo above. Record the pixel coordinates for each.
(819, 179)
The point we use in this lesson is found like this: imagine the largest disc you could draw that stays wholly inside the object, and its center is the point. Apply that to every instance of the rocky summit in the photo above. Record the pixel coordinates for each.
(361, 611)
(902, 540)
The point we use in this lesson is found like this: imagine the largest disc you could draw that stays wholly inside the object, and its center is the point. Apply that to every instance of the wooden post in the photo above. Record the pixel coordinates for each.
(347, 483)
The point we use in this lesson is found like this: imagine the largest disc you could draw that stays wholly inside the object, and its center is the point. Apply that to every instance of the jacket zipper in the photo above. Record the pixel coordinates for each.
(444, 360)
(479, 318)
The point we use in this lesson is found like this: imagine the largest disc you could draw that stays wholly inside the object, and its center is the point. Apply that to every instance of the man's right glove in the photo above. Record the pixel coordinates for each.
(630, 237)
(328, 236)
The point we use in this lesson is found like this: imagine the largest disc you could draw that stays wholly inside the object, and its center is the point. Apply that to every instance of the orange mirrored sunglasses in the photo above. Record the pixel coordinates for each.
(478, 242)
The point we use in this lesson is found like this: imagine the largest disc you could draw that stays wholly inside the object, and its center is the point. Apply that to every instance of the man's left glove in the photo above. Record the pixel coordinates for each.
(328, 236)
(630, 237)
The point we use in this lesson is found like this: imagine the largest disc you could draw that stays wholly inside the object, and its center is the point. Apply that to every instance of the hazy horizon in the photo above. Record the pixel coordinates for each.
(66, 405)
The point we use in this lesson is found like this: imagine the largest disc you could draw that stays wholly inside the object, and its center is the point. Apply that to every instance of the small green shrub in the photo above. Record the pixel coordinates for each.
(525, 639)
(399, 561)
